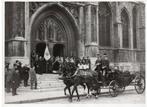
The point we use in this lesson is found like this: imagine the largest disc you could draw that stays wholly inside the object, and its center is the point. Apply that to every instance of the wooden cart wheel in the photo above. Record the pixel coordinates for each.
(113, 88)
(139, 84)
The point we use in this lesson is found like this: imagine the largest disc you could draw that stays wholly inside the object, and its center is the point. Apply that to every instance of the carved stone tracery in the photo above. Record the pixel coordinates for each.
(55, 31)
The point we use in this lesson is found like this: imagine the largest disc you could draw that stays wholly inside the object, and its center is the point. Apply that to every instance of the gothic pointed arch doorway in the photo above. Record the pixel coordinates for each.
(54, 25)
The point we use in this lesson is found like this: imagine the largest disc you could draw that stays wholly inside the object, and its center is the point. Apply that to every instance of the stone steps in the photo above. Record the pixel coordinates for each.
(49, 81)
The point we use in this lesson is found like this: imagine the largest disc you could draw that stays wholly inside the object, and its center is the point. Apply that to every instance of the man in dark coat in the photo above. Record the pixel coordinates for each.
(15, 80)
(19, 67)
(105, 63)
(98, 64)
(8, 76)
(25, 70)
(41, 67)
(105, 67)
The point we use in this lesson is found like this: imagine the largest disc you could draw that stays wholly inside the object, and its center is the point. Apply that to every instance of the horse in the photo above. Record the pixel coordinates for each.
(90, 78)
(67, 77)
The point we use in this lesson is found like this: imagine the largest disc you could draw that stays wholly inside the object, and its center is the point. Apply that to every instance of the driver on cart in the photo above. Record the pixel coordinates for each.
(105, 68)
(98, 64)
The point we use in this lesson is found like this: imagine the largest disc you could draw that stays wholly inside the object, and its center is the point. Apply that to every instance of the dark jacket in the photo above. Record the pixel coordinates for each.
(105, 64)
(15, 80)
(98, 64)
(25, 73)
(32, 74)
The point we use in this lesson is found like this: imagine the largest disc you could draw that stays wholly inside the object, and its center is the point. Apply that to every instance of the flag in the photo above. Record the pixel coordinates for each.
(47, 53)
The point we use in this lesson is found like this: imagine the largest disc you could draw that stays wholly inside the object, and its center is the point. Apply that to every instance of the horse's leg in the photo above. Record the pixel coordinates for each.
(77, 94)
(88, 91)
(72, 93)
(69, 91)
(83, 86)
(98, 92)
(65, 90)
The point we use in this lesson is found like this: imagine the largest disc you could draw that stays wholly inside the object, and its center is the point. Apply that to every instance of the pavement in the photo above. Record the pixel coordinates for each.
(127, 97)
(26, 95)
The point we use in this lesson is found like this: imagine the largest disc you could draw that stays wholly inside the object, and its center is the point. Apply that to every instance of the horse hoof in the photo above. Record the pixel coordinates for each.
(78, 100)
(96, 97)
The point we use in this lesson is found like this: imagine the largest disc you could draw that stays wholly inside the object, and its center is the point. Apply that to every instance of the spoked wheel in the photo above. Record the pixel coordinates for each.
(113, 88)
(139, 84)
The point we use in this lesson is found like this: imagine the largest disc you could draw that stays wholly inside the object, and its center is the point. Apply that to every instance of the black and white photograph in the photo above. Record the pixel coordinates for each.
(74, 52)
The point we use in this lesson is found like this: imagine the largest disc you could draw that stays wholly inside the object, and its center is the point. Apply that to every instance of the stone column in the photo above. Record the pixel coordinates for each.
(117, 33)
(137, 28)
(97, 25)
(91, 48)
(88, 24)
(88, 30)
(131, 32)
(81, 32)
(118, 28)
(27, 31)
(17, 45)
(22, 14)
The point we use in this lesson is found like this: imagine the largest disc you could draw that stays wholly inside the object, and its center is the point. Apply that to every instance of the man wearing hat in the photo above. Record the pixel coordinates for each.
(25, 70)
(15, 79)
(105, 66)
(98, 64)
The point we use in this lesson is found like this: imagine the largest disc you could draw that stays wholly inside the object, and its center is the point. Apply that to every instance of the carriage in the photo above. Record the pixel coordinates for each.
(116, 82)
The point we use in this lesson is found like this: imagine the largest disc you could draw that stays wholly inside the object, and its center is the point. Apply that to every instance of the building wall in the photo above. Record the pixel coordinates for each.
(86, 15)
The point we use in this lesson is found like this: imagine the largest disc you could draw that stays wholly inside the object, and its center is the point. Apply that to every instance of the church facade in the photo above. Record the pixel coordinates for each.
(77, 29)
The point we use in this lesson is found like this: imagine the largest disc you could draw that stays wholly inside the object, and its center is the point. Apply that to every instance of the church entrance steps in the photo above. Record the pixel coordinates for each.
(47, 81)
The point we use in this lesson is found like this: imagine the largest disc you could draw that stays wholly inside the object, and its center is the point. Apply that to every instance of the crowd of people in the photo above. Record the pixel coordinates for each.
(17, 75)
(51, 65)
(21, 74)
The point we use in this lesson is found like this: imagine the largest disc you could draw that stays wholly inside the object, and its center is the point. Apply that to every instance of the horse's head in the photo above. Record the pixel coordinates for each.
(63, 69)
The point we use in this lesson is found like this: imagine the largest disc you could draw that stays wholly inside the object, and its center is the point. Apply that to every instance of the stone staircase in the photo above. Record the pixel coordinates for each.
(50, 81)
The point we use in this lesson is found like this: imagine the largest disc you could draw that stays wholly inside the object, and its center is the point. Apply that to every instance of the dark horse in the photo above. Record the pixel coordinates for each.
(68, 78)
(88, 77)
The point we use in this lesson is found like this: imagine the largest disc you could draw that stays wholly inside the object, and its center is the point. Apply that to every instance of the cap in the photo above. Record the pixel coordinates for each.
(105, 54)
(14, 64)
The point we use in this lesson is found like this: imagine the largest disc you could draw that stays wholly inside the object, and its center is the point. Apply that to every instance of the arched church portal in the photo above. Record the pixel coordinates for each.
(53, 26)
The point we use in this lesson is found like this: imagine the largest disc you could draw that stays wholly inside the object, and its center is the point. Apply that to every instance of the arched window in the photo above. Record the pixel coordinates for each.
(104, 24)
(134, 27)
(125, 29)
